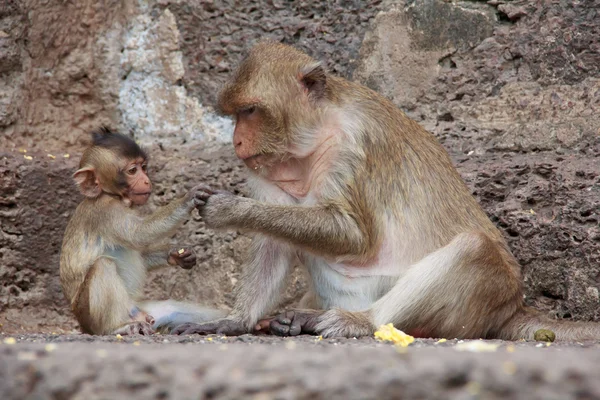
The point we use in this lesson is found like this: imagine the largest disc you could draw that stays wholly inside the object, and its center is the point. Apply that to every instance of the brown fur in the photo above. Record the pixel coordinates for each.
(371, 203)
(108, 246)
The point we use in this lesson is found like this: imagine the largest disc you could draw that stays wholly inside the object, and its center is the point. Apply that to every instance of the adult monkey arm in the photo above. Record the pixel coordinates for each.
(328, 229)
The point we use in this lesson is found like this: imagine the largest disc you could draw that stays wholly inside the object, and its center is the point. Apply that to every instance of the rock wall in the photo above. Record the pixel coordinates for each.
(511, 88)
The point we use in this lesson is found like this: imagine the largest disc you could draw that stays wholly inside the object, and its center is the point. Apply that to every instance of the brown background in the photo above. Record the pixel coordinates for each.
(511, 88)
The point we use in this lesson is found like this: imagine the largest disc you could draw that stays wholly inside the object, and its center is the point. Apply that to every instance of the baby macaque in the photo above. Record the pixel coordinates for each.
(108, 246)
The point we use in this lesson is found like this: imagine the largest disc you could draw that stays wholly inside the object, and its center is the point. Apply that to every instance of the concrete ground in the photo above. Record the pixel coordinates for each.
(75, 366)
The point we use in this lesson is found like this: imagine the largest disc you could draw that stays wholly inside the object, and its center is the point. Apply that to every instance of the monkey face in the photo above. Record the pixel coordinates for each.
(139, 186)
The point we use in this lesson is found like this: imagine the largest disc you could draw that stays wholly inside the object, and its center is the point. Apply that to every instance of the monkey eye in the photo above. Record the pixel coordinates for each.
(144, 167)
(132, 170)
(248, 110)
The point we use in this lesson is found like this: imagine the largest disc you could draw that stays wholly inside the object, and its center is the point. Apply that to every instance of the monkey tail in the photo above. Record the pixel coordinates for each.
(170, 313)
(524, 324)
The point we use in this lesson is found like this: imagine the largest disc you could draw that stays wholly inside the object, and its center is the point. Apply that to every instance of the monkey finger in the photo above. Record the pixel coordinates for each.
(296, 327)
(285, 318)
(192, 328)
(178, 330)
(150, 319)
(278, 328)
(203, 187)
(176, 253)
(199, 203)
(146, 330)
(263, 324)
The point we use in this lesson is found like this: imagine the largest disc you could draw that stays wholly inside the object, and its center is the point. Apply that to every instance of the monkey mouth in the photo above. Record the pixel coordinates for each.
(254, 162)
(141, 194)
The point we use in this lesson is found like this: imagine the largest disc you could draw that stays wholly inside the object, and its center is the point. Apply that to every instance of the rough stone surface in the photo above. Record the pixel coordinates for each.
(510, 88)
(164, 367)
(521, 76)
(328, 30)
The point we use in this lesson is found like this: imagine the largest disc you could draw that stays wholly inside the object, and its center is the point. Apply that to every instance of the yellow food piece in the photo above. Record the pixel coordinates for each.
(22, 151)
(388, 333)
(509, 367)
(181, 251)
(66, 155)
(476, 346)
(118, 336)
(10, 340)
(28, 157)
(441, 341)
(50, 347)
(51, 156)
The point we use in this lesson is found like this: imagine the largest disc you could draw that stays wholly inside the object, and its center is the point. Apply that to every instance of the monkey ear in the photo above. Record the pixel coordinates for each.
(86, 181)
(314, 79)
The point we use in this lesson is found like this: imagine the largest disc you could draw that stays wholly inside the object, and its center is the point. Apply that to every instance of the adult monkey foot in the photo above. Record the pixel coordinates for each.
(295, 322)
(223, 326)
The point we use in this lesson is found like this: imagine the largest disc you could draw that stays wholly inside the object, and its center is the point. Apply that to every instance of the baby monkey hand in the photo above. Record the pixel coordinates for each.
(184, 257)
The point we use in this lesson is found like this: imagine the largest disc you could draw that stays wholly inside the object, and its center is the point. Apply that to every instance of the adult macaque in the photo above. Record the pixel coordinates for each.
(371, 204)
(108, 247)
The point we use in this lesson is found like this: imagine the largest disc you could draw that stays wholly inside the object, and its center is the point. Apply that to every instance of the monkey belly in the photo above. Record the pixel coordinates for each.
(346, 292)
(130, 267)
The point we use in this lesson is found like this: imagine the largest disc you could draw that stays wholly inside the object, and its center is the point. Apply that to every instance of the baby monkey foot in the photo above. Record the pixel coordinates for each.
(135, 328)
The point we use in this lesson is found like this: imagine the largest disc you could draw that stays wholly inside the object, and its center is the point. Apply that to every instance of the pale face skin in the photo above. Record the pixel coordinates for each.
(140, 187)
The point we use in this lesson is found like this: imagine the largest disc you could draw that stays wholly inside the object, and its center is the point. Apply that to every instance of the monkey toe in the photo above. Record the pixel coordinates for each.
(287, 324)
(279, 329)
(184, 329)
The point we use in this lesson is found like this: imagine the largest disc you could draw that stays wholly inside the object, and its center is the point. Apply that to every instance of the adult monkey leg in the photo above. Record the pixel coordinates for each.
(446, 294)
(104, 306)
(263, 278)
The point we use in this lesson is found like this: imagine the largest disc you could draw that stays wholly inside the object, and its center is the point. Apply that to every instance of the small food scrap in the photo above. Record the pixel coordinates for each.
(10, 340)
(473, 388)
(544, 335)
(50, 347)
(181, 251)
(476, 346)
(66, 155)
(26, 356)
(320, 337)
(27, 157)
(441, 341)
(119, 337)
(22, 150)
(51, 156)
(390, 334)
(209, 339)
(290, 345)
(509, 367)
(531, 211)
